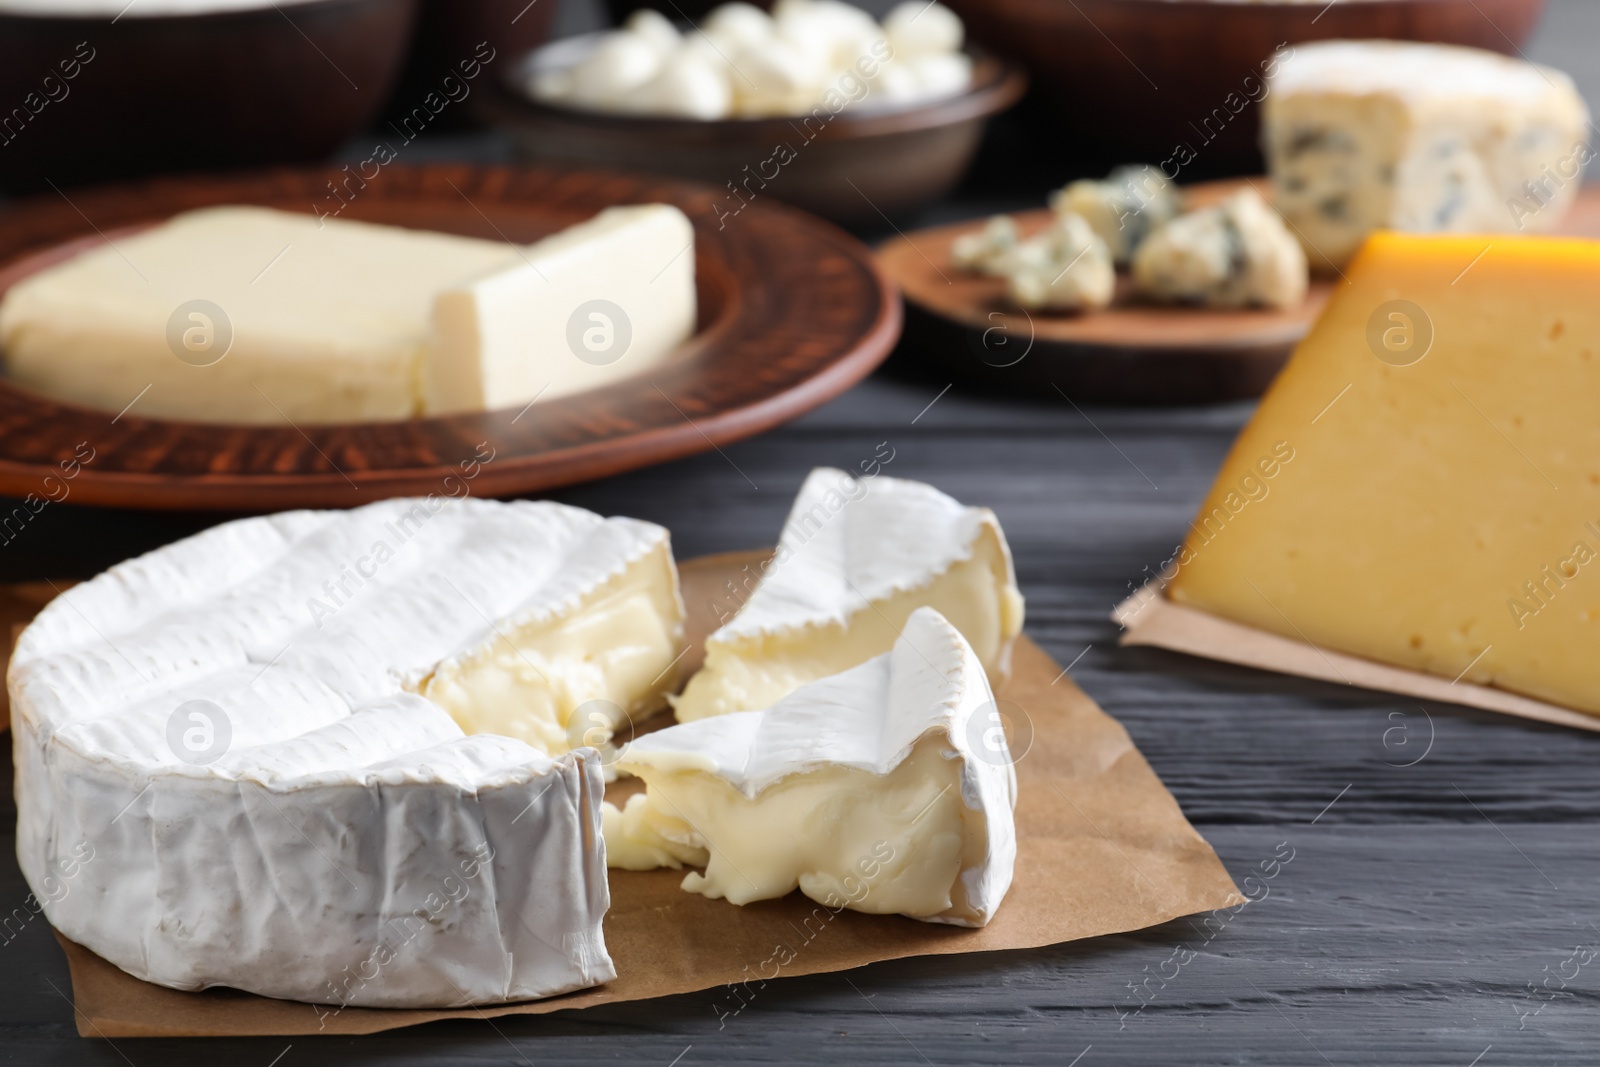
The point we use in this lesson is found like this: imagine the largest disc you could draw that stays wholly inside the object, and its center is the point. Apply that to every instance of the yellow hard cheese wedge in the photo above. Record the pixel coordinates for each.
(1421, 485)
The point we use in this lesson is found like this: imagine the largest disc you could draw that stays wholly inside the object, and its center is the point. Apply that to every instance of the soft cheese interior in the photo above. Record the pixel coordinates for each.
(862, 790)
(855, 559)
(233, 725)
(570, 680)
(313, 320)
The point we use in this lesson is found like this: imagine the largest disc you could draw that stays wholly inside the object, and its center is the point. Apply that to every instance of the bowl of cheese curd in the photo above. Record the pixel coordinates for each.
(816, 103)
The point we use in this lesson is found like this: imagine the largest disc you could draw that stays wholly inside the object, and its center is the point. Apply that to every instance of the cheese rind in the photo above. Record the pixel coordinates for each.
(1365, 135)
(862, 790)
(855, 559)
(341, 802)
(1420, 485)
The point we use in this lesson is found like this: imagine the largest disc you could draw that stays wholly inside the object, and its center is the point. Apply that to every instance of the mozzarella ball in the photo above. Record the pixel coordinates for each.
(619, 64)
(737, 26)
(551, 85)
(656, 28)
(920, 29)
(688, 87)
(896, 83)
(777, 70)
(947, 74)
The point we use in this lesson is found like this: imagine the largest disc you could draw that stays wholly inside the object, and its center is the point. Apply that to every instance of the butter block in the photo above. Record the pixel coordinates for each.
(250, 315)
(1421, 485)
(1365, 135)
(881, 789)
(311, 323)
(601, 300)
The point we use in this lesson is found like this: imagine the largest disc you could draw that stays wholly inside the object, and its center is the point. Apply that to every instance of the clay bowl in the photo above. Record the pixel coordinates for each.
(453, 34)
(1140, 77)
(101, 97)
(861, 165)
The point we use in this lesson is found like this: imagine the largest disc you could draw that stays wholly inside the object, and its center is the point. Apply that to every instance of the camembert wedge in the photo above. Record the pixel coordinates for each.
(880, 789)
(1421, 485)
(855, 559)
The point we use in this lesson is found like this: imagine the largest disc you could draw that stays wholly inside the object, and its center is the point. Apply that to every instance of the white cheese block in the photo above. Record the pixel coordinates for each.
(1234, 254)
(601, 300)
(1363, 135)
(883, 789)
(249, 315)
(855, 559)
(232, 727)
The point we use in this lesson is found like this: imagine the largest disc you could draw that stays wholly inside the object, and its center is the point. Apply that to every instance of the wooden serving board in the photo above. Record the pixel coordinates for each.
(959, 326)
(792, 312)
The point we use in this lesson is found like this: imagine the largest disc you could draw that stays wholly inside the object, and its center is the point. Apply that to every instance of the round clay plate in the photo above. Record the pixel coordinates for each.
(960, 327)
(792, 312)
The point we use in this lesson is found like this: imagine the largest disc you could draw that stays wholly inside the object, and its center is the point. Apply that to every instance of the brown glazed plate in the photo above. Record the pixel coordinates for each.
(792, 312)
(960, 328)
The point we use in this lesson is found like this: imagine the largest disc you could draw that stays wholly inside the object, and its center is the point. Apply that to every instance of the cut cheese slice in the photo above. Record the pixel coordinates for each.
(1421, 485)
(249, 315)
(235, 729)
(884, 789)
(855, 559)
(602, 300)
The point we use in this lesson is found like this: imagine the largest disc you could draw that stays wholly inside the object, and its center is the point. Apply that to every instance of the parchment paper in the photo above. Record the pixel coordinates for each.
(1102, 848)
(1151, 619)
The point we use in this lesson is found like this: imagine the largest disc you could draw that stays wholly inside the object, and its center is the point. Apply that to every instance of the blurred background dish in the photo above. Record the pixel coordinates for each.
(1133, 78)
(861, 165)
(449, 31)
(791, 313)
(961, 330)
(92, 97)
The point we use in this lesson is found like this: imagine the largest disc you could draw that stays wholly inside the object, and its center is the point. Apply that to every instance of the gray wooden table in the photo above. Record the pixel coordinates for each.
(1441, 906)
(1430, 912)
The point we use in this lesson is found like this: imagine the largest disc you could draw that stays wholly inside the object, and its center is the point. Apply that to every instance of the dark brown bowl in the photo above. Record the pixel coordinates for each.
(861, 165)
(140, 95)
(1142, 77)
(454, 36)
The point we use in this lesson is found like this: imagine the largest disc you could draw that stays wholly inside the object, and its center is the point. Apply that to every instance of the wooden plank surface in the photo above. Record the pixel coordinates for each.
(1419, 915)
(1407, 927)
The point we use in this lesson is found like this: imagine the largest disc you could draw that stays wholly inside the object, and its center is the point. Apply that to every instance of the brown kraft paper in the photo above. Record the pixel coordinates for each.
(1149, 618)
(1102, 848)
